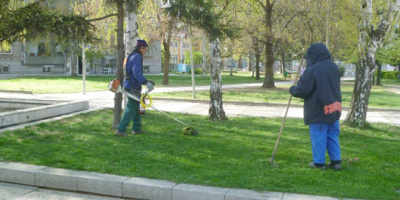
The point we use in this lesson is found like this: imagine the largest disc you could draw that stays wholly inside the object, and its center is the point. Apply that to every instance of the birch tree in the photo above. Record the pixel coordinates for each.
(370, 36)
(208, 17)
(131, 31)
(121, 7)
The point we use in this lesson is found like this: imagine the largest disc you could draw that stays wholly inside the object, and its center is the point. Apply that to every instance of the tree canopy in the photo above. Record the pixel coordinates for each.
(36, 20)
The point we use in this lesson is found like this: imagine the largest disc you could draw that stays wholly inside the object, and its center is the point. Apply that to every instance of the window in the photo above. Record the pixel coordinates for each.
(146, 69)
(41, 49)
(48, 68)
(4, 68)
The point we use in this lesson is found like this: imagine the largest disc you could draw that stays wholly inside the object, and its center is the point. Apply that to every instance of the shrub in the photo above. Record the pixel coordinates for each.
(341, 68)
(389, 74)
(196, 71)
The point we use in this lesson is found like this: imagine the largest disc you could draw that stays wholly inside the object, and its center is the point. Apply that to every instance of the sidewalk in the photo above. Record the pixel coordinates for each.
(28, 181)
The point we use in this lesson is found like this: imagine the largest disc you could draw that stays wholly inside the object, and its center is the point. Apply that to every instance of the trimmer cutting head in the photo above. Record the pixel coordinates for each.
(189, 131)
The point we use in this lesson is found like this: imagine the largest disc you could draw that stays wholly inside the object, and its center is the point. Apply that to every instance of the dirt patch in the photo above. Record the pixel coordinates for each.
(256, 89)
(394, 90)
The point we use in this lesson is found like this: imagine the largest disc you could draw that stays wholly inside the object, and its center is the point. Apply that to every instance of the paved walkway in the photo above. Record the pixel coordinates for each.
(17, 174)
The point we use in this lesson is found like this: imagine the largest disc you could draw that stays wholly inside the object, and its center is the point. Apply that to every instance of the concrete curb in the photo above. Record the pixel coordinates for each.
(129, 187)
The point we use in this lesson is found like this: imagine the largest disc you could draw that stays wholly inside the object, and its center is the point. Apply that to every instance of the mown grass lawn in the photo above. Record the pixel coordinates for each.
(234, 153)
(380, 96)
(390, 82)
(68, 84)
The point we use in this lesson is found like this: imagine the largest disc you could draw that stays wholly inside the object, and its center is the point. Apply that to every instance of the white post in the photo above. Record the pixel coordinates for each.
(83, 56)
(191, 63)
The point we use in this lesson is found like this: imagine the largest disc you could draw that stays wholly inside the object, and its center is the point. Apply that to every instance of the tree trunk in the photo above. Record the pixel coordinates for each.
(216, 111)
(120, 60)
(204, 57)
(378, 74)
(240, 63)
(369, 40)
(283, 68)
(269, 47)
(269, 67)
(167, 55)
(251, 61)
(131, 32)
(257, 55)
(258, 58)
(73, 60)
(73, 64)
(398, 73)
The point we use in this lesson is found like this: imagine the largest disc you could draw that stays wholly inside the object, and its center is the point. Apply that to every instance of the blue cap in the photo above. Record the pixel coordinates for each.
(142, 43)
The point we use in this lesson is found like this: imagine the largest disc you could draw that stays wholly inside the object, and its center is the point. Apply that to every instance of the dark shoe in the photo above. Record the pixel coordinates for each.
(317, 166)
(335, 166)
(138, 132)
(120, 133)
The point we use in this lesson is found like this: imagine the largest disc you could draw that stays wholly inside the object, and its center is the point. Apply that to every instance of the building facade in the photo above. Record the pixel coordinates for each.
(43, 58)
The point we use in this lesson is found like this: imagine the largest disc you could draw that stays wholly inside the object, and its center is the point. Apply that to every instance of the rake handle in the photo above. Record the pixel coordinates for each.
(285, 116)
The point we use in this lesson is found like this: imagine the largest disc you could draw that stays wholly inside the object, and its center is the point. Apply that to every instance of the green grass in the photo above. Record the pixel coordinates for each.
(56, 84)
(390, 82)
(234, 153)
(68, 84)
(380, 96)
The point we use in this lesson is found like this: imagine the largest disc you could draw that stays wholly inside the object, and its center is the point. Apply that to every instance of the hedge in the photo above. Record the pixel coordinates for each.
(388, 74)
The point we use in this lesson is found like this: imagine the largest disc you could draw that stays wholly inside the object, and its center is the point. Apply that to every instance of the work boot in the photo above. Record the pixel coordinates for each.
(336, 165)
(138, 132)
(120, 133)
(317, 166)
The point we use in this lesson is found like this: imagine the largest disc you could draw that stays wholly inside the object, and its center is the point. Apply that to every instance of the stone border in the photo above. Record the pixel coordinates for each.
(129, 187)
(43, 111)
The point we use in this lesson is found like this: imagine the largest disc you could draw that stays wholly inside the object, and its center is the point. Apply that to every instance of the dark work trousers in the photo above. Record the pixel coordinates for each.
(132, 112)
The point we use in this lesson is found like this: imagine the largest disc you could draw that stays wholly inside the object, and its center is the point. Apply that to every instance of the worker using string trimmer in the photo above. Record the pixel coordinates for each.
(319, 86)
(133, 82)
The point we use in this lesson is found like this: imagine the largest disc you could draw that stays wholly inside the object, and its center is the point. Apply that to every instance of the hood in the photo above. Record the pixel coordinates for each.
(316, 53)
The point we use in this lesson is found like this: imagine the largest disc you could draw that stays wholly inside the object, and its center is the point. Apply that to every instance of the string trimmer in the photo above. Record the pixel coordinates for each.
(146, 101)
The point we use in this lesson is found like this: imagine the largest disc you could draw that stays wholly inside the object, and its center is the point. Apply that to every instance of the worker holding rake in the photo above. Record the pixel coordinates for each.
(133, 82)
(319, 86)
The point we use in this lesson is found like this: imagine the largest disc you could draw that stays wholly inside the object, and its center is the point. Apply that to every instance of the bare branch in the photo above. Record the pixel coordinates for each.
(101, 18)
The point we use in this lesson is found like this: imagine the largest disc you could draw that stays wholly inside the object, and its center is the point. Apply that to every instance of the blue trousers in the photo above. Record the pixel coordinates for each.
(325, 137)
(131, 114)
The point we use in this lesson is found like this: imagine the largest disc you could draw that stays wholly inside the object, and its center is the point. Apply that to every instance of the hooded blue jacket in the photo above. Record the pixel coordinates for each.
(134, 70)
(319, 86)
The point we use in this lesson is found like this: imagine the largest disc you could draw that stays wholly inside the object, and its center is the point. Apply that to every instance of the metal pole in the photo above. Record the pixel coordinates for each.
(191, 63)
(83, 56)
